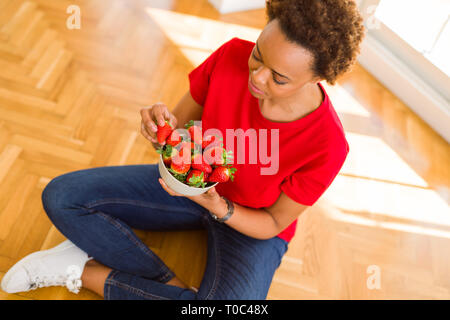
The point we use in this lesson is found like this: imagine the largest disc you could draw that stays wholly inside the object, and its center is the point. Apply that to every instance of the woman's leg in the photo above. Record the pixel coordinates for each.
(238, 267)
(96, 209)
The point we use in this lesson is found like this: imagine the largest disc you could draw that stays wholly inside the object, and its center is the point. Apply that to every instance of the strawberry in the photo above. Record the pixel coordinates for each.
(217, 155)
(164, 131)
(190, 144)
(194, 131)
(181, 162)
(199, 163)
(222, 174)
(194, 147)
(209, 139)
(196, 178)
(180, 168)
(174, 138)
(167, 152)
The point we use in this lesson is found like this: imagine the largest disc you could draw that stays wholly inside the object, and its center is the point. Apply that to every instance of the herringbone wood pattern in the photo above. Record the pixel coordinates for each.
(70, 100)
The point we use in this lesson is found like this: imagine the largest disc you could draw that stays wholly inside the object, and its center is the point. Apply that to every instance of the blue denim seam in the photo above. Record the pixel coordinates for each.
(165, 277)
(137, 203)
(163, 268)
(107, 286)
(218, 269)
(134, 290)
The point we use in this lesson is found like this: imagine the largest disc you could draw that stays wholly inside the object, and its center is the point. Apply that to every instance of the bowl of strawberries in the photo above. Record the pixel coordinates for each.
(191, 164)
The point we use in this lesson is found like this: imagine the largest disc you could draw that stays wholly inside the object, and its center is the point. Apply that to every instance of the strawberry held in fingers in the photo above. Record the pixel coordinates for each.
(222, 174)
(174, 138)
(164, 131)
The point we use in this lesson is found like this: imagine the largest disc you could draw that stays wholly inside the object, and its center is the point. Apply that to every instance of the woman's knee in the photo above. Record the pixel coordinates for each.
(56, 196)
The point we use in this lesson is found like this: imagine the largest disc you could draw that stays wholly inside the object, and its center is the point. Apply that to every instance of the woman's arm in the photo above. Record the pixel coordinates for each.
(255, 223)
(263, 223)
(187, 109)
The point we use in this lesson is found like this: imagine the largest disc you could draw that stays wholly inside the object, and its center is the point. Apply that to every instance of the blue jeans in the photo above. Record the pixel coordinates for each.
(96, 208)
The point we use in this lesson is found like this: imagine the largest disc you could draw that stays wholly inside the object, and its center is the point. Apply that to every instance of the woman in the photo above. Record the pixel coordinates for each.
(271, 84)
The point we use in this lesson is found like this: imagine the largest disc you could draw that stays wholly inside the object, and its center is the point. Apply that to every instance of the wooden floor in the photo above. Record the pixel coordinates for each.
(70, 100)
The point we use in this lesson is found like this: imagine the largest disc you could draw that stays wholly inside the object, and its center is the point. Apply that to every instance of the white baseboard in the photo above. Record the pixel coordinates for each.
(227, 6)
(406, 85)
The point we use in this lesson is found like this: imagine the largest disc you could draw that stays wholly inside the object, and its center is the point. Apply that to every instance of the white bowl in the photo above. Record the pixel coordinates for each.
(177, 185)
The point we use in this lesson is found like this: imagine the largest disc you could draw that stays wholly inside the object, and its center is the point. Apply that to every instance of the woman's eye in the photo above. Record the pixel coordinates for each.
(273, 75)
(276, 81)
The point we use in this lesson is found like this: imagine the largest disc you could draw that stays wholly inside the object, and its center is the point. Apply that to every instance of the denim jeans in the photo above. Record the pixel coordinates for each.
(97, 208)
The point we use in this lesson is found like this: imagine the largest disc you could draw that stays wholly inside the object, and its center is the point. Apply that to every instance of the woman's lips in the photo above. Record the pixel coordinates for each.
(254, 88)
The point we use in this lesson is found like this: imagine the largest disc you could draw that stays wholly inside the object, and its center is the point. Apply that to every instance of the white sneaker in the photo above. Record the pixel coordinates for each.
(60, 266)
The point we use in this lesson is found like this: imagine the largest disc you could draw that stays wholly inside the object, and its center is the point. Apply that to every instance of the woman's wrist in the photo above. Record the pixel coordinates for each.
(220, 208)
(215, 204)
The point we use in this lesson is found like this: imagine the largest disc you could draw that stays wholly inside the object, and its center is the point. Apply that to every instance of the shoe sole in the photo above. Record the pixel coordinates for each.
(36, 255)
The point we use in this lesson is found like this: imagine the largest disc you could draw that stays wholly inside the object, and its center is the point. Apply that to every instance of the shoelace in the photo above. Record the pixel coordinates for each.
(194, 289)
(72, 281)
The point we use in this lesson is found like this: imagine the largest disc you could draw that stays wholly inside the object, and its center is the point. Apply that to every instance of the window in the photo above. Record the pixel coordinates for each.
(407, 48)
(423, 24)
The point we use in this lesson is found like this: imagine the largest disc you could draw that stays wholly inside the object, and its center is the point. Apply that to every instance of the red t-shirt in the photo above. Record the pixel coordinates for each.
(312, 149)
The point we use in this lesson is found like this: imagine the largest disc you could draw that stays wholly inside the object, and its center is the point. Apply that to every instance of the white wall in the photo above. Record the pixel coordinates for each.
(227, 6)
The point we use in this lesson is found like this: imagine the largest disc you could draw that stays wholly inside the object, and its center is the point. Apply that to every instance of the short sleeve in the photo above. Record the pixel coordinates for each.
(307, 184)
(200, 77)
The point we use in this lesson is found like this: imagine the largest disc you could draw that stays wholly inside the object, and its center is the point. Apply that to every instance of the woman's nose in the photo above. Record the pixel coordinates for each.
(259, 75)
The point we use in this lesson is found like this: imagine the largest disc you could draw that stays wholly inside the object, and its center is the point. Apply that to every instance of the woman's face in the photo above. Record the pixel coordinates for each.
(278, 68)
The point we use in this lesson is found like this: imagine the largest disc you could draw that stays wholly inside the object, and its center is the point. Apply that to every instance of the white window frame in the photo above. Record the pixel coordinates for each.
(404, 71)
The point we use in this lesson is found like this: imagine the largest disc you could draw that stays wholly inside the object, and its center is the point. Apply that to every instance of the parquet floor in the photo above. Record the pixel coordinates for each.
(70, 100)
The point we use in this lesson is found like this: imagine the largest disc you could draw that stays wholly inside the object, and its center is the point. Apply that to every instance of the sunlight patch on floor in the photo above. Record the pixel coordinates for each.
(371, 157)
(344, 102)
(388, 200)
(198, 37)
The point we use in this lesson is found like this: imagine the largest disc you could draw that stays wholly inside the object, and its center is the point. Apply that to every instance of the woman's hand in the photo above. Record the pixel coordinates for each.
(151, 117)
(209, 200)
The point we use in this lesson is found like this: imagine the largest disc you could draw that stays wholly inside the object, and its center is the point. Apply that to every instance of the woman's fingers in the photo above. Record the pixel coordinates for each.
(159, 112)
(153, 116)
(148, 126)
(173, 121)
(168, 190)
(147, 118)
(146, 134)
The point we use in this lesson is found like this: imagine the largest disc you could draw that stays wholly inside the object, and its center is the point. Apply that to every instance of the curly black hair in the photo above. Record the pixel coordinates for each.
(332, 30)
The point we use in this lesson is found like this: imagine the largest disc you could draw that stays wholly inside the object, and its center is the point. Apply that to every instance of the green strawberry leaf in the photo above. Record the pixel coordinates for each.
(178, 176)
(231, 171)
(197, 181)
(168, 150)
(189, 124)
